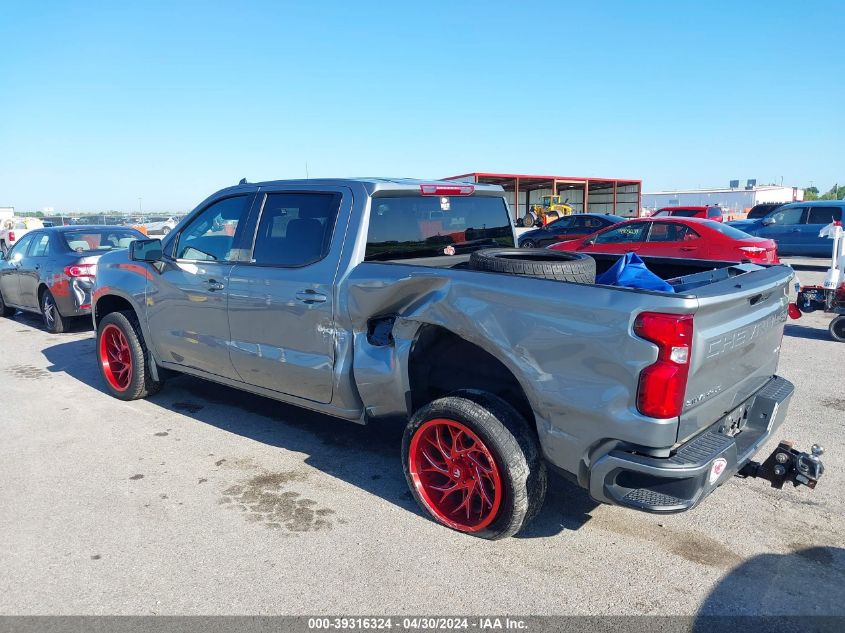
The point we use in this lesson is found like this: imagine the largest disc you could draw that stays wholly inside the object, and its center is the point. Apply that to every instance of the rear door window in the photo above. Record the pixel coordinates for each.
(670, 232)
(824, 215)
(295, 229)
(40, 245)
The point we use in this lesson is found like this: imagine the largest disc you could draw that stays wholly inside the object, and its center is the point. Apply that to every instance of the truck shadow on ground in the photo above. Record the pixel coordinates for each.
(365, 456)
(808, 581)
(810, 332)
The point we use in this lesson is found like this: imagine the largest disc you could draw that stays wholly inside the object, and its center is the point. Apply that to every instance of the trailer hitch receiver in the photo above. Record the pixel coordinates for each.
(787, 464)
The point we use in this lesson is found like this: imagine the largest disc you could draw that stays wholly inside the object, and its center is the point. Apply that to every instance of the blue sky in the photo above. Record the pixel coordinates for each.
(105, 102)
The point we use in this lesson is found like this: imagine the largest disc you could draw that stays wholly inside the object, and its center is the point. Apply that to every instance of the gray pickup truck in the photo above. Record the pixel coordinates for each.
(404, 300)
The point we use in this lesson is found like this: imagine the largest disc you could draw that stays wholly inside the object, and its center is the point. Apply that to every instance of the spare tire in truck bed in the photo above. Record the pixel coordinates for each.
(536, 262)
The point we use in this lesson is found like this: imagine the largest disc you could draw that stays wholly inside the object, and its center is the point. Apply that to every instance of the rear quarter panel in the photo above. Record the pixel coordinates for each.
(569, 345)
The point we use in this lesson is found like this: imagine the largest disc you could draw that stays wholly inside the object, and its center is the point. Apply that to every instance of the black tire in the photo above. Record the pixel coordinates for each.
(529, 220)
(141, 383)
(528, 244)
(536, 262)
(837, 329)
(165, 230)
(513, 445)
(54, 322)
(5, 310)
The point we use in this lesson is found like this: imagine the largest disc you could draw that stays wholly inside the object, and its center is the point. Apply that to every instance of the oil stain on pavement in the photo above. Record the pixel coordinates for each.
(267, 499)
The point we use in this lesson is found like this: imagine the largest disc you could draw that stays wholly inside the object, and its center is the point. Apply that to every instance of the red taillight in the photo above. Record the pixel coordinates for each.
(754, 252)
(447, 190)
(662, 385)
(81, 270)
(11, 236)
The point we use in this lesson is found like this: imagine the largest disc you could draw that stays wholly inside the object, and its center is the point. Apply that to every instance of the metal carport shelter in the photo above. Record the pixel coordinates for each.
(617, 196)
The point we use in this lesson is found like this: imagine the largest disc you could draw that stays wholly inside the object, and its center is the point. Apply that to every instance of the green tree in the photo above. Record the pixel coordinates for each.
(811, 193)
(836, 193)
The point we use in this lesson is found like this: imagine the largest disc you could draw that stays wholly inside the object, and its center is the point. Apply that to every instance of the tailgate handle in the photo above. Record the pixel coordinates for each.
(758, 298)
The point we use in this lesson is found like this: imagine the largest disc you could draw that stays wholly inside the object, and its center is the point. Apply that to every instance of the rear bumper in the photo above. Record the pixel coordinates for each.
(680, 482)
(73, 297)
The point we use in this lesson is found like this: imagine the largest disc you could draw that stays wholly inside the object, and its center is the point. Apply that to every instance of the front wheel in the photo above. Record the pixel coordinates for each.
(837, 328)
(528, 244)
(474, 465)
(529, 220)
(122, 356)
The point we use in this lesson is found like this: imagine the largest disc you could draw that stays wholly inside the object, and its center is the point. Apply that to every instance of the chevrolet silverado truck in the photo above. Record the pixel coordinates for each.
(402, 300)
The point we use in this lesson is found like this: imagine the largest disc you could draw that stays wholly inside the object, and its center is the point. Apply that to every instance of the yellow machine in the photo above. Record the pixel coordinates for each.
(551, 209)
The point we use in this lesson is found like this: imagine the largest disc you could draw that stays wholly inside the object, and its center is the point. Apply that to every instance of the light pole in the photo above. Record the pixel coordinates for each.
(139, 206)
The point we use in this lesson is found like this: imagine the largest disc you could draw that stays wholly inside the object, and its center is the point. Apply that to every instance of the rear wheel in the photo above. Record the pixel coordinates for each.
(54, 322)
(473, 464)
(529, 220)
(5, 310)
(123, 357)
(528, 244)
(837, 328)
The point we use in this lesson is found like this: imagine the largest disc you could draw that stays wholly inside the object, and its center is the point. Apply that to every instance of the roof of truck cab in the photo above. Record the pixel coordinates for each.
(374, 183)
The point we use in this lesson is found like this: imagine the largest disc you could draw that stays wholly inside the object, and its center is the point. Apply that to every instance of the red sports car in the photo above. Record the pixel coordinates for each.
(691, 238)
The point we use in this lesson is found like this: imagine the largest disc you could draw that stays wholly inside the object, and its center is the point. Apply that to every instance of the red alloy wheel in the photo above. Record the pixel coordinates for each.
(455, 474)
(116, 357)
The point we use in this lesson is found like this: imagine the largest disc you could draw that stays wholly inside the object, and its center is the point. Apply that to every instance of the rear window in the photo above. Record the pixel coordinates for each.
(99, 239)
(681, 213)
(728, 231)
(405, 227)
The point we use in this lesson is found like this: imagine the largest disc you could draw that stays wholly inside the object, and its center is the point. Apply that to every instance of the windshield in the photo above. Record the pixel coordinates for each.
(99, 239)
(759, 212)
(405, 227)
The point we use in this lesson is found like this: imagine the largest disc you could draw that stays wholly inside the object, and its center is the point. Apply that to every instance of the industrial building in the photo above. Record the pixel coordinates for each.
(594, 195)
(735, 200)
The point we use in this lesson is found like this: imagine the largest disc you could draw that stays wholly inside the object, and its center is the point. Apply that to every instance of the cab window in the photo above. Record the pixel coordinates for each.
(824, 215)
(211, 234)
(792, 215)
(295, 228)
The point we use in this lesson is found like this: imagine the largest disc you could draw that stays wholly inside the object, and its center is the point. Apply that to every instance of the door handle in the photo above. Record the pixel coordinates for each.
(309, 296)
(213, 285)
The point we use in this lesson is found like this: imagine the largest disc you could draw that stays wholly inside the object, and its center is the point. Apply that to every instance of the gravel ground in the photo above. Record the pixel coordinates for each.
(204, 500)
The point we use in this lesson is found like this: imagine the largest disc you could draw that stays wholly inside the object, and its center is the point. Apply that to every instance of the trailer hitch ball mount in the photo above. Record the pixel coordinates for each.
(787, 464)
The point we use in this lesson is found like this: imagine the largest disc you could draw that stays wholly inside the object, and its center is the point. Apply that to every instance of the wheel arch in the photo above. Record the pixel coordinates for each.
(441, 362)
(108, 303)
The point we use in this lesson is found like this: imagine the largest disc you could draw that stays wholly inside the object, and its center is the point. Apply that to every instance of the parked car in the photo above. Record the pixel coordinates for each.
(159, 227)
(677, 237)
(567, 228)
(796, 226)
(762, 210)
(51, 271)
(705, 213)
(13, 229)
(378, 299)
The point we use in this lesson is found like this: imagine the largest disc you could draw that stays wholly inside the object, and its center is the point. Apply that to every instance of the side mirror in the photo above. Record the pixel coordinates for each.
(590, 242)
(768, 221)
(145, 250)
